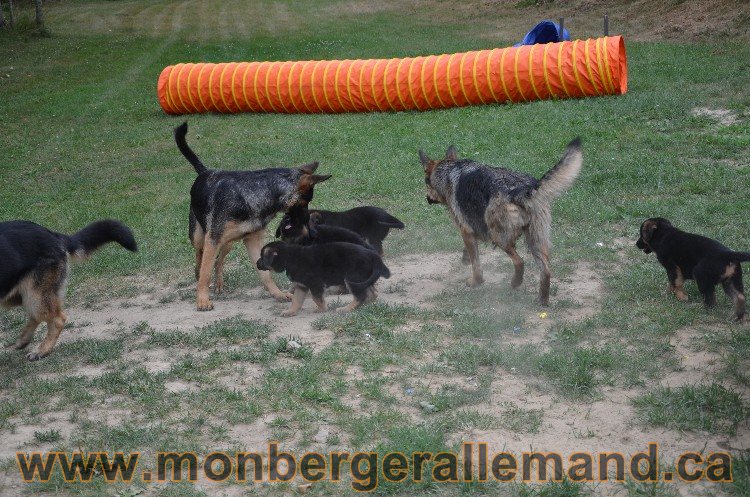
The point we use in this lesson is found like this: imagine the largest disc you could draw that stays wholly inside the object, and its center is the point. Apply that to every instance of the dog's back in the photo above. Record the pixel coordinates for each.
(370, 222)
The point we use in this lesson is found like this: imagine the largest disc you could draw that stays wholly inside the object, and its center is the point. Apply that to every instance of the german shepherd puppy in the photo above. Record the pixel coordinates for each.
(295, 227)
(686, 256)
(372, 223)
(226, 206)
(34, 272)
(314, 267)
(496, 205)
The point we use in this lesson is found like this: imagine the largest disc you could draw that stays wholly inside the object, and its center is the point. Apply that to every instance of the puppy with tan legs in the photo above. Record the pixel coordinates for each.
(687, 256)
(498, 205)
(313, 268)
(34, 272)
(229, 206)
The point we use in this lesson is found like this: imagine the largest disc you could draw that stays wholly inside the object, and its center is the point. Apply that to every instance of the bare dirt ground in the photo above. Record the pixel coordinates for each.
(607, 423)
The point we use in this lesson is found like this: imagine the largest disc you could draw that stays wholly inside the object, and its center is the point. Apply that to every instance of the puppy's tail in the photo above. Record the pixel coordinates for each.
(561, 176)
(379, 270)
(740, 256)
(82, 244)
(390, 221)
(179, 136)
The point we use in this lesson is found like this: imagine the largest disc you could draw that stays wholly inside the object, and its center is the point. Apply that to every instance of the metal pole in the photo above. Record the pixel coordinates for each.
(606, 25)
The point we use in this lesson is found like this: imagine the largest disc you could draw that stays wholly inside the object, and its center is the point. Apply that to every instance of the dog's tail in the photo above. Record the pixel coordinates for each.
(390, 221)
(179, 136)
(740, 256)
(561, 176)
(379, 270)
(80, 245)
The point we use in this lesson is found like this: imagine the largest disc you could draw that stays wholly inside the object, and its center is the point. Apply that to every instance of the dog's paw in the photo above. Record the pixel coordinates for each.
(681, 296)
(319, 310)
(474, 282)
(516, 282)
(204, 304)
(219, 287)
(34, 356)
(283, 296)
(288, 314)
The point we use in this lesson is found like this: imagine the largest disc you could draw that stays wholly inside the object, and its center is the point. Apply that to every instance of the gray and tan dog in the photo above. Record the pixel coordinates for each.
(497, 205)
(227, 206)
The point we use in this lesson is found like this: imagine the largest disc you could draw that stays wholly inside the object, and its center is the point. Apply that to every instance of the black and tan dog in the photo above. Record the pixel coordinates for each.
(497, 205)
(314, 267)
(226, 206)
(687, 256)
(295, 227)
(371, 223)
(34, 272)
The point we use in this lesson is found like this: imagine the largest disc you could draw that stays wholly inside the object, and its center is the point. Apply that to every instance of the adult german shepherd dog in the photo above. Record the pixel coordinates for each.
(496, 205)
(226, 206)
(34, 272)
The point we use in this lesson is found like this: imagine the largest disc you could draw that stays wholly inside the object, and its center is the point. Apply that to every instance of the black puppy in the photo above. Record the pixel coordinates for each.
(295, 227)
(686, 256)
(314, 267)
(34, 271)
(372, 223)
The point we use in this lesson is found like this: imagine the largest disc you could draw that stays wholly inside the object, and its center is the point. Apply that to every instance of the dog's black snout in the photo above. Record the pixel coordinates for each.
(259, 264)
(430, 201)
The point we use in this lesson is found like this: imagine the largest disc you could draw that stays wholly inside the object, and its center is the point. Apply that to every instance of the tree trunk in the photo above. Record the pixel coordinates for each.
(39, 14)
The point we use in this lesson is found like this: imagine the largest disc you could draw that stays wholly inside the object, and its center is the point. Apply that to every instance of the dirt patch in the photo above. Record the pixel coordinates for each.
(723, 117)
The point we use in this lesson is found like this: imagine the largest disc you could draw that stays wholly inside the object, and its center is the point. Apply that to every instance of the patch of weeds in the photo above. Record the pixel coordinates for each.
(467, 358)
(35, 394)
(711, 408)
(482, 325)
(92, 351)
(649, 489)
(140, 384)
(8, 409)
(230, 331)
(372, 389)
(295, 346)
(574, 370)
(740, 474)
(519, 420)
(453, 396)
(369, 427)
(377, 319)
(48, 436)
(231, 404)
(564, 488)
(465, 419)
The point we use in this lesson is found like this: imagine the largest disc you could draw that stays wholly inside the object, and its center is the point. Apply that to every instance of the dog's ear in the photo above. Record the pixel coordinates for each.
(315, 218)
(319, 178)
(647, 230)
(451, 153)
(309, 168)
(425, 160)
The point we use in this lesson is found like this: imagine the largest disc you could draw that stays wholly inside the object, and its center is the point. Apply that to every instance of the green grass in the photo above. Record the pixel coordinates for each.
(711, 408)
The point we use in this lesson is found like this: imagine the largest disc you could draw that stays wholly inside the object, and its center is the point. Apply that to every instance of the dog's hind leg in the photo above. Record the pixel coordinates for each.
(540, 250)
(254, 243)
(55, 322)
(319, 299)
(517, 265)
(734, 289)
(470, 243)
(706, 280)
(27, 334)
(203, 300)
(219, 269)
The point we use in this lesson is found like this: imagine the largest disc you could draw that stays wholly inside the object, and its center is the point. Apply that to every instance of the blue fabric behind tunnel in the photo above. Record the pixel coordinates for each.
(544, 32)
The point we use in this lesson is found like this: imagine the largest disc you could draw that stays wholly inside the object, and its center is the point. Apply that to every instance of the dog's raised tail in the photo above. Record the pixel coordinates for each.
(179, 136)
(558, 179)
(379, 270)
(80, 245)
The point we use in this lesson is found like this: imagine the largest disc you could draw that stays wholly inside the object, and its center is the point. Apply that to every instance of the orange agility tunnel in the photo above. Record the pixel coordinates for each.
(569, 69)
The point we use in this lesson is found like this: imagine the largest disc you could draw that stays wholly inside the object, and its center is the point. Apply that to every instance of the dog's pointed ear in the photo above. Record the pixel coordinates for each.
(451, 153)
(647, 230)
(424, 159)
(309, 168)
(319, 178)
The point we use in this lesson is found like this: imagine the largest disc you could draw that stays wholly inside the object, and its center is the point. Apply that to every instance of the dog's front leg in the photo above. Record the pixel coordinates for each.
(470, 243)
(254, 243)
(676, 281)
(27, 334)
(300, 293)
(55, 323)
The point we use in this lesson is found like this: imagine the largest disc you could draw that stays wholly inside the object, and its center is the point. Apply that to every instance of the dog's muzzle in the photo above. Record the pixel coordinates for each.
(643, 246)
(261, 266)
(430, 201)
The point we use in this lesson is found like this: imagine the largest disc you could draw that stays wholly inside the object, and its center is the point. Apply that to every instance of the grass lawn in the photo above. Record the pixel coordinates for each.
(616, 363)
